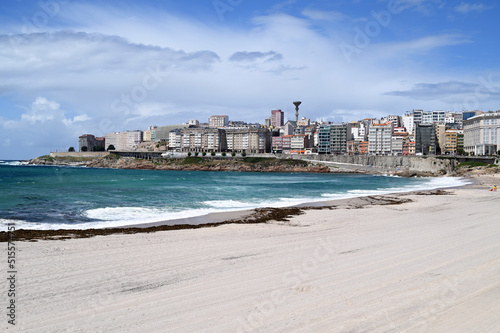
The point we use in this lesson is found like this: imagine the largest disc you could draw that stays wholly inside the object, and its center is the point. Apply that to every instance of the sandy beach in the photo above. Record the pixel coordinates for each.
(430, 263)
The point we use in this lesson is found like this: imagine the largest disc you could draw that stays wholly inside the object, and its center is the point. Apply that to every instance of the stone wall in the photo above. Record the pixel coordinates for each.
(94, 154)
(380, 163)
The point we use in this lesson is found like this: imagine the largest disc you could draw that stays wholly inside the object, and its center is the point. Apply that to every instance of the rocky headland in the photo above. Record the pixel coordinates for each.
(249, 164)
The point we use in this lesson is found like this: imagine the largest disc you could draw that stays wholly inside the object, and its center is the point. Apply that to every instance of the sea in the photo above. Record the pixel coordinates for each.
(63, 197)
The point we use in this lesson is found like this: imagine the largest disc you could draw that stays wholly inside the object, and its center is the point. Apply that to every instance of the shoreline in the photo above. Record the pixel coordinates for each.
(245, 216)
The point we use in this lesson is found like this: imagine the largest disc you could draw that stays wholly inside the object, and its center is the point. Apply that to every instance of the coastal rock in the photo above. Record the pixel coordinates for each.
(230, 165)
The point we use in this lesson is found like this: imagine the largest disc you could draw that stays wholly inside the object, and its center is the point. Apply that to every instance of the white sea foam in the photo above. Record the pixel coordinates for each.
(219, 204)
(13, 162)
(122, 216)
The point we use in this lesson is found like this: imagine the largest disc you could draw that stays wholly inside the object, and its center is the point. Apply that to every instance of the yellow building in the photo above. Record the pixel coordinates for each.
(147, 135)
(450, 142)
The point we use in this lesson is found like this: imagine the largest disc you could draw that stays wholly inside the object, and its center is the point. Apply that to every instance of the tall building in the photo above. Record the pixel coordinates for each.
(425, 139)
(277, 118)
(218, 121)
(450, 145)
(482, 134)
(338, 138)
(324, 139)
(440, 133)
(332, 138)
(380, 139)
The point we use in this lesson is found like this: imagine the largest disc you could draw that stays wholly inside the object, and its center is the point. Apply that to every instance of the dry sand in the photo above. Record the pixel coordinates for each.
(430, 265)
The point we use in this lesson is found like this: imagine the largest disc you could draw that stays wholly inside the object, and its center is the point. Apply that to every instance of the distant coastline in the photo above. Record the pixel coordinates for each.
(403, 166)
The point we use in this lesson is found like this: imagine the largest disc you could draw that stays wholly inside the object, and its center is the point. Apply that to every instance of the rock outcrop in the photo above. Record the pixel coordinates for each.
(230, 165)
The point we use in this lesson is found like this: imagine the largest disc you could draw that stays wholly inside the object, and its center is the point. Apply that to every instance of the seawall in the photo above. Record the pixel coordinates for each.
(367, 163)
(94, 154)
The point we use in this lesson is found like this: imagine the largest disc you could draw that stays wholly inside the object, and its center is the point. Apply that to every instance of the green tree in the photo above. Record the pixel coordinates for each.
(189, 153)
(212, 153)
(111, 147)
(71, 149)
(84, 148)
(243, 153)
(233, 154)
(196, 154)
(223, 153)
(204, 153)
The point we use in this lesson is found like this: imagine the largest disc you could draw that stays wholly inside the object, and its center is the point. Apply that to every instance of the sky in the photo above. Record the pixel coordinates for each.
(71, 67)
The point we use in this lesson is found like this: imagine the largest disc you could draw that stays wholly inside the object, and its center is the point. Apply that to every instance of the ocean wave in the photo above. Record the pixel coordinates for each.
(108, 217)
(13, 163)
(219, 204)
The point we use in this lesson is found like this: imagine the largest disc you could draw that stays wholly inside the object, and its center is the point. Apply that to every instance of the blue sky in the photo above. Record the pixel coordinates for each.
(73, 67)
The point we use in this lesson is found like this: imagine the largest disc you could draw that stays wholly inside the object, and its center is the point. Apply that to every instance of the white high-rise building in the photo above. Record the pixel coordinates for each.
(408, 123)
(380, 139)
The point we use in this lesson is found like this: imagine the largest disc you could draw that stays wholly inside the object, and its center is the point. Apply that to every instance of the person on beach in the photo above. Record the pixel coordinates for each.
(495, 188)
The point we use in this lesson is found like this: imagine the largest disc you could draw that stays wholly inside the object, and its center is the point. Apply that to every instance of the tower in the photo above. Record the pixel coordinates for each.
(296, 103)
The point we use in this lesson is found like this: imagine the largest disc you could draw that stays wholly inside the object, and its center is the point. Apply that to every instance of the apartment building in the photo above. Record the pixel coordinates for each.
(324, 132)
(380, 139)
(251, 140)
(197, 140)
(277, 118)
(300, 142)
(397, 143)
(450, 145)
(338, 138)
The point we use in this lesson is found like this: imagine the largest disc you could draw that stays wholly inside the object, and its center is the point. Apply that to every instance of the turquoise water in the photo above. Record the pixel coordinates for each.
(49, 197)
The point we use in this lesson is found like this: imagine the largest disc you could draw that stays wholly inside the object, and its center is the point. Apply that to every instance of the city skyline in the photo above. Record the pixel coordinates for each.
(72, 67)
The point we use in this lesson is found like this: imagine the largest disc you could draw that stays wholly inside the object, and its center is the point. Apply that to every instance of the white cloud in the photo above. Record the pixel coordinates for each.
(417, 46)
(244, 56)
(42, 125)
(43, 110)
(122, 72)
(422, 6)
(324, 15)
(466, 7)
